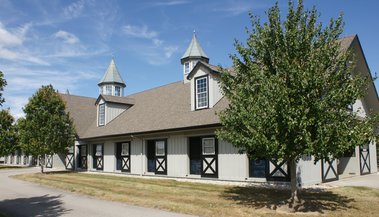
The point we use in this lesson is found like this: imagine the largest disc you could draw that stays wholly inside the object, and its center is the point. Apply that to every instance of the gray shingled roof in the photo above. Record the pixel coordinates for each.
(159, 109)
(194, 49)
(82, 110)
(112, 75)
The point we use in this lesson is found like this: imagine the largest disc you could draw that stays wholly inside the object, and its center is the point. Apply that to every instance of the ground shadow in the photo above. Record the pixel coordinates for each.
(313, 200)
(34, 206)
(60, 172)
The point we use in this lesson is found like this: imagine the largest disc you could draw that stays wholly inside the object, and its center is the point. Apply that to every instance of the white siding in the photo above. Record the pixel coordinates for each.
(308, 172)
(349, 166)
(113, 110)
(231, 164)
(360, 108)
(373, 157)
(59, 161)
(217, 94)
(109, 157)
(177, 156)
(136, 157)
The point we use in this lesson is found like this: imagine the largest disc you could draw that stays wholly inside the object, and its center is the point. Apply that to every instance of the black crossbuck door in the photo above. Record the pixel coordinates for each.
(98, 156)
(329, 170)
(209, 157)
(123, 156)
(278, 171)
(203, 156)
(26, 159)
(49, 161)
(157, 156)
(69, 160)
(364, 159)
(83, 156)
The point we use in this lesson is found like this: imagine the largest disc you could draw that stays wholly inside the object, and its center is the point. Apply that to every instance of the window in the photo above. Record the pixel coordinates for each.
(124, 149)
(99, 150)
(108, 90)
(201, 92)
(258, 168)
(208, 145)
(186, 67)
(159, 148)
(101, 114)
(117, 91)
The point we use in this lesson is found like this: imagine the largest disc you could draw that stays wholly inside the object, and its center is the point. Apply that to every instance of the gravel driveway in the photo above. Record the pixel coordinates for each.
(20, 198)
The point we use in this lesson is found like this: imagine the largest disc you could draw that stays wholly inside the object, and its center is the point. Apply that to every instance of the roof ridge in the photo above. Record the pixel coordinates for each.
(77, 96)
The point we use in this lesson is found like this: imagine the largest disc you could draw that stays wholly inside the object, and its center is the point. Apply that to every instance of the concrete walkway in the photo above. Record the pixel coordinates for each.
(20, 198)
(370, 180)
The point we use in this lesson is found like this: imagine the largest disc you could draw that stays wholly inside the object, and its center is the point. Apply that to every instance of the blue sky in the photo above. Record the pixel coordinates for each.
(69, 44)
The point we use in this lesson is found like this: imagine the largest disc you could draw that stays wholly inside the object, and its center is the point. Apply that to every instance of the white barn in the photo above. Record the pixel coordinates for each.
(169, 131)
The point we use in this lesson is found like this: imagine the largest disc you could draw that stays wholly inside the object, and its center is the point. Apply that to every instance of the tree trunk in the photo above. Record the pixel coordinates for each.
(295, 191)
(41, 168)
(41, 163)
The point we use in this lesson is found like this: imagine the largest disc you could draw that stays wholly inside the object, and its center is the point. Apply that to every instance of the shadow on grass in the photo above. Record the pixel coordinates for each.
(59, 172)
(271, 198)
(34, 206)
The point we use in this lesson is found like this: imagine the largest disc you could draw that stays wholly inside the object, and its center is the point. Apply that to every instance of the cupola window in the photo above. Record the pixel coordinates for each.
(186, 68)
(117, 91)
(108, 90)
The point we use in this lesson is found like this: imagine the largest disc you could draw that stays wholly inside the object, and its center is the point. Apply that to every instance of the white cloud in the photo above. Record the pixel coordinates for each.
(139, 32)
(14, 38)
(156, 52)
(170, 50)
(234, 8)
(74, 9)
(67, 37)
(171, 3)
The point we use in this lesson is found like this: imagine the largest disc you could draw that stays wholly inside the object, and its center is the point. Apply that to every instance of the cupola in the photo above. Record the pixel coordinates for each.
(112, 84)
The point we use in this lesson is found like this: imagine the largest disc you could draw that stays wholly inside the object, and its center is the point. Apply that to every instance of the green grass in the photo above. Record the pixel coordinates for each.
(212, 200)
(7, 167)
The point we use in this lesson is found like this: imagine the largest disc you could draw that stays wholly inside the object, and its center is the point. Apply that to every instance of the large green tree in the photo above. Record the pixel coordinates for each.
(46, 128)
(3, 83)
(8, 133)
(291, 89)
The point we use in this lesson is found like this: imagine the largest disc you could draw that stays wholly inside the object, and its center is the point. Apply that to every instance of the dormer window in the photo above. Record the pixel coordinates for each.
(101, 118)
(201, 92)
(108, 90)
(186, 68)
(117, 91)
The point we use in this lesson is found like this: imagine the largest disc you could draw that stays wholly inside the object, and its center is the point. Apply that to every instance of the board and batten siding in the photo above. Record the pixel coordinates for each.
(177, 156)
(373, 157)
(113, 110)
(308, 172)
(137, 157)
(109, 158)
(231, 164)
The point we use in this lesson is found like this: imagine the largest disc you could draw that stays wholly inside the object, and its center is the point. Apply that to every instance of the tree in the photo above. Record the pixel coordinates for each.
(46, 128)
(290, 91)
(8, 133)
(3, 83)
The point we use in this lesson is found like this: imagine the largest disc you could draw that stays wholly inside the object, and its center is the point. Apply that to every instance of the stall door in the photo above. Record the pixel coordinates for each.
(203, 156)
(157, 156)
(98, 156)
(49, 161)
(329, 170)
(69, 160)
(83, 157)
(364, 159)
(123, 156)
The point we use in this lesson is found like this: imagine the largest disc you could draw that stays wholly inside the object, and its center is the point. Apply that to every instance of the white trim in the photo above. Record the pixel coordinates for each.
(206, 92)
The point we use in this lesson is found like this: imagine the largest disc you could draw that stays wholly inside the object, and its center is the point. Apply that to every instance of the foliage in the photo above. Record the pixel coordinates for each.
(3, 83)
(46, 128)
(8, 133)
(291, 90)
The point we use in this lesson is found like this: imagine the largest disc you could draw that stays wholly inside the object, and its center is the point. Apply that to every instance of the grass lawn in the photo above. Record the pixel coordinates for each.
(6, 167)
(212, 200)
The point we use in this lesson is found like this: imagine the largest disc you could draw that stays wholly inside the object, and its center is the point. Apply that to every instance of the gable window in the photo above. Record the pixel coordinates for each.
(101, 114)
(201, 92)
(117, 91)
(186, 67)
(108, 90)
